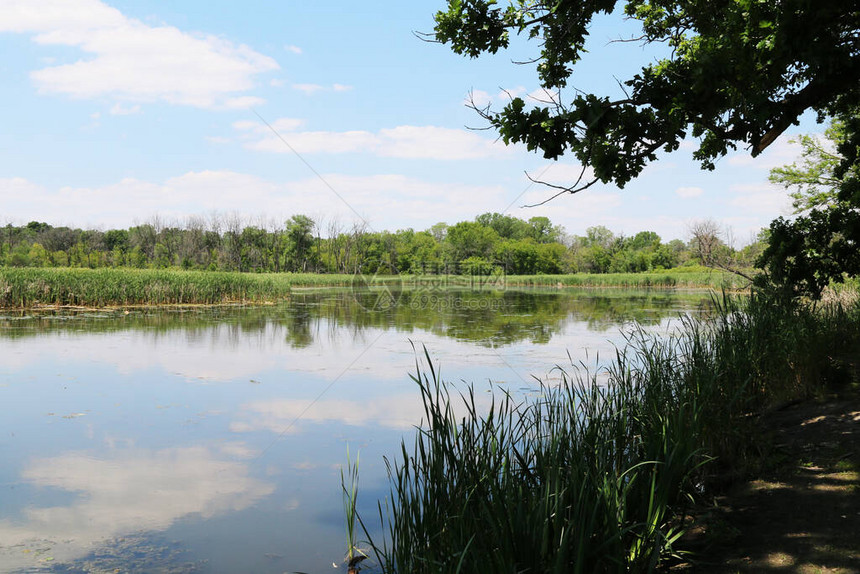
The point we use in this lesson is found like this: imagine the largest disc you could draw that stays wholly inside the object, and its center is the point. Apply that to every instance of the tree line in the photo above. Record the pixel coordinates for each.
(489, 243)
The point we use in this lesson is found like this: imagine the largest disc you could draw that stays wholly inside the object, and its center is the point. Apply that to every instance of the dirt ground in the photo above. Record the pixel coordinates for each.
(801, 514)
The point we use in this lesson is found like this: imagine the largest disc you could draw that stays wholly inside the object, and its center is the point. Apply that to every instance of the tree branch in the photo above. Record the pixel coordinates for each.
(564, 189)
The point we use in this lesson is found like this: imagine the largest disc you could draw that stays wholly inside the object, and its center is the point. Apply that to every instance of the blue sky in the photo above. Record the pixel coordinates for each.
(114, 112)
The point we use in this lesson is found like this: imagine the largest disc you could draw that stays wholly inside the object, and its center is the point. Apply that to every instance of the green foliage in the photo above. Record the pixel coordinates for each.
(807, 254)
(506, 226)
(596, 474)
(24, 288)
(354, 555)
(812, 182)
(470, 239)
(822, 244)
(19, 256)
(501, 243)
(300, 239)
(738, 72)
(116, 239)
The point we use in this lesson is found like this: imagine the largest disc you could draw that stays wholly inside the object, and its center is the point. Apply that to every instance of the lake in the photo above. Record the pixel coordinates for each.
(211, 439)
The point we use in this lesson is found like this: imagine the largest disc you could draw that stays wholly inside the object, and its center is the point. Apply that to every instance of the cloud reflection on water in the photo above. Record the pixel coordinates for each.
(134, 490)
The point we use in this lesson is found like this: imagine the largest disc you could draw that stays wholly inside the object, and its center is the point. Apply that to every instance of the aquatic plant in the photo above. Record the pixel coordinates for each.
(691, 277)
(597, 474)
(349, 484)
(82, 287)
(26, 288)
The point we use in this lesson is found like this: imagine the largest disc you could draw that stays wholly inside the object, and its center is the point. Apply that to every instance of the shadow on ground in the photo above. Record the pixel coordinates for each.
(803, 517)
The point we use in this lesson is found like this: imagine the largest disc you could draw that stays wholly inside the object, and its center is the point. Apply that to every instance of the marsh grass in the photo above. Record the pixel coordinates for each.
(28, 288)
(22, 288)
(597, 474)
(694, 277)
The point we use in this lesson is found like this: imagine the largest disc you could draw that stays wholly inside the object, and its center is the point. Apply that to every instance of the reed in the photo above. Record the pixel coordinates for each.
(27, 288)
(597, 474)
(349, 484)
(695, 277)
(33, 287)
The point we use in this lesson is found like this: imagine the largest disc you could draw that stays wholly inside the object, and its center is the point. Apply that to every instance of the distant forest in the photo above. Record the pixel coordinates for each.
(300, 244)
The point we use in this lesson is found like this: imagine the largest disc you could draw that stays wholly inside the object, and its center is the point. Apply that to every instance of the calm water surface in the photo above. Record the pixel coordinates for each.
(212, 440)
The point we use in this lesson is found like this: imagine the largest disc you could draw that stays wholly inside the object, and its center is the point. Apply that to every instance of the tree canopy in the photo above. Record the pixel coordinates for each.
(491, 244)
(738, 72)
(821, 244)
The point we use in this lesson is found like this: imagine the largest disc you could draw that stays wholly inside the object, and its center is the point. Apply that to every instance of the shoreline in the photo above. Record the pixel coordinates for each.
(73, 288)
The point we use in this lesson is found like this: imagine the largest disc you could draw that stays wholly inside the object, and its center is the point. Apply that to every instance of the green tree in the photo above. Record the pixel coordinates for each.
(812, 182)
(299, 232)
(507, 226)
(425, 256)
(470, 239)
(38, 256)
(735, 72)
(542, 230)
(116, 239)
(19, 256)
(38, 227)
(822, 243)
(599, 235)
(645, 240)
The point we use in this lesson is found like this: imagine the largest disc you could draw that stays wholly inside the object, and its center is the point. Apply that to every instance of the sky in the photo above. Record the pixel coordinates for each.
(115, 112)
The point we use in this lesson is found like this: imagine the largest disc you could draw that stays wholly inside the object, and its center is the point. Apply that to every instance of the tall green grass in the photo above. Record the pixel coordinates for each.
(31, 287)
(349, 484)
(597, 474)
(26, 288)
(697, 277)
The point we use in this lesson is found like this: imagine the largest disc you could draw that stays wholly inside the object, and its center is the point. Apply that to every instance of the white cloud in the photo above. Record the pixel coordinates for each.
(293, 49)
(308, 89)
(311, 89)
(779, 153)
(132, 61)
(395, 200)
(238, 449)
(437, 143)
(592, 207)
(762, 198)
(14, 186)
(543, 96)
(243, 125)
(241, 103)
(688, 145)
(688, 192)
(280, 416)
(559, 173)
(280, 125)
(413, 142)
(119, 110)
(483, 98)
(315, 142)
(478, 98)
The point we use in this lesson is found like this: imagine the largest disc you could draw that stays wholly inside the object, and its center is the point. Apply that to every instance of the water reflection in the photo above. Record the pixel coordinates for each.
(133, 490)
(396, 412)
(491, 318)
(223, 428)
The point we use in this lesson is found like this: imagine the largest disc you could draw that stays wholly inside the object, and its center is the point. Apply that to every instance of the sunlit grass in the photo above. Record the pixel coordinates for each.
(27, 288)
(681, 277)
(32, 287)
